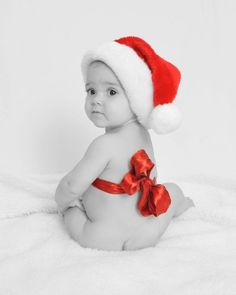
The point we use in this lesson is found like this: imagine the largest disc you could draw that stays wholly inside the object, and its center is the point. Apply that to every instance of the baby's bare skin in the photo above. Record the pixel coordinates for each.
(117, 213)
(113, 221)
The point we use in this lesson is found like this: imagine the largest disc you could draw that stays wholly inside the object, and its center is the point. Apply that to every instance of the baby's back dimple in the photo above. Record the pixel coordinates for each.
(124, 146)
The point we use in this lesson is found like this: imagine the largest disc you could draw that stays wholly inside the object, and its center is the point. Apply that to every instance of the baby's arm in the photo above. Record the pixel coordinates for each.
(75, 183)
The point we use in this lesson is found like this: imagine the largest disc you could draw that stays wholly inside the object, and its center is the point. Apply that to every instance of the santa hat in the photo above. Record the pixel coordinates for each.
(150, 82)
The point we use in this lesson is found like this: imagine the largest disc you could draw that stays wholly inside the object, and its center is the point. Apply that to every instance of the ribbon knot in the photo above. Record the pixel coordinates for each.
(154, 199)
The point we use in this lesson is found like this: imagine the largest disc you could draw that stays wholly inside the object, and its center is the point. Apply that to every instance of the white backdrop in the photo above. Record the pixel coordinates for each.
(43, 126)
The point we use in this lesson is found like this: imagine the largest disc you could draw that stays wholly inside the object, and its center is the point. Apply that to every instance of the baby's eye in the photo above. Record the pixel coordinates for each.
(112, 92)
(90, 91)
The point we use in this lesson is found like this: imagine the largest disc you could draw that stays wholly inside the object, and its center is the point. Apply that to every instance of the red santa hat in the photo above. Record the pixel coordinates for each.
(150, 82)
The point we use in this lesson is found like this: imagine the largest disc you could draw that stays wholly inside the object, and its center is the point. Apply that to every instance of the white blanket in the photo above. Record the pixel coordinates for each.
(196, 255)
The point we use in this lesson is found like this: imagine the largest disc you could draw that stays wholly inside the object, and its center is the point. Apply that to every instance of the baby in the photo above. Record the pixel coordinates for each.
(111, 200)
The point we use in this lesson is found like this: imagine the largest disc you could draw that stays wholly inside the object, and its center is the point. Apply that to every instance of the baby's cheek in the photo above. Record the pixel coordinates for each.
(114, 113)
(87, 108)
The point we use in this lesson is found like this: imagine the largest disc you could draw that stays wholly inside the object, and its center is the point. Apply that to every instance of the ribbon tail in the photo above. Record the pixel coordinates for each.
(143, 201)
(160, 199)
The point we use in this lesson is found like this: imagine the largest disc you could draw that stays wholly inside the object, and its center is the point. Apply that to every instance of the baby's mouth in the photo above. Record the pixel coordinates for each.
(96, 112)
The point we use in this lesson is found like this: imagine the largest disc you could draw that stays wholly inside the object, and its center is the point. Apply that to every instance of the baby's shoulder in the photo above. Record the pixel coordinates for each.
(110, 144)
(104, 143)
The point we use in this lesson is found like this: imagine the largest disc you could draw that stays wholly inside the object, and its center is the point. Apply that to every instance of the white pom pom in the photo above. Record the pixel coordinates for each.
(165, 118)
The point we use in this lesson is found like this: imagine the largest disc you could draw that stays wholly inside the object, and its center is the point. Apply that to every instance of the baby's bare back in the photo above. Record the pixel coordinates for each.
(113, 221)
(115, 217)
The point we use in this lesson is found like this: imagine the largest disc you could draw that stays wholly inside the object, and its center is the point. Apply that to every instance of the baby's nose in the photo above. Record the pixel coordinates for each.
(98, 99)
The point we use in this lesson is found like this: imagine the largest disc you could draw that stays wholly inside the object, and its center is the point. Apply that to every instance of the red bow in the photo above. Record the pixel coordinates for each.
(155, 199)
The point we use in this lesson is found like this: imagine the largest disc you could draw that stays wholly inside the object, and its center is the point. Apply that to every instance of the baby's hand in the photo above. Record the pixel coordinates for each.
(77, 203)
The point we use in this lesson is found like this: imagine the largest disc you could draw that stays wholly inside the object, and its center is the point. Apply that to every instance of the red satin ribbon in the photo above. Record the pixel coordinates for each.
(154, 199)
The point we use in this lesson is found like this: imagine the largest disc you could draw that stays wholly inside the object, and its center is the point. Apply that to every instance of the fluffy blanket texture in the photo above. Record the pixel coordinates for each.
(196, 255)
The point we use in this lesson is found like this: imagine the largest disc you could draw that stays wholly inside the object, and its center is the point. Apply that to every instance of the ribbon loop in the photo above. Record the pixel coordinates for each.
(154, 199)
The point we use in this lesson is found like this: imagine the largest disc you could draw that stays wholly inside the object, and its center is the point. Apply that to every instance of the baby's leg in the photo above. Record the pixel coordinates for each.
(75, 220)
(179, 204)
(151, 232)
(92, 234)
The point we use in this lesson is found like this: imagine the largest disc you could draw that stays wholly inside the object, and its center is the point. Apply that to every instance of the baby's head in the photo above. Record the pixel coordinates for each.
(106, 103)
(146, 85)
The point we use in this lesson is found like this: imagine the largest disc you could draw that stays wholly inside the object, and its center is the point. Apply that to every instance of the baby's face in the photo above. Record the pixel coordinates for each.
(106, 103)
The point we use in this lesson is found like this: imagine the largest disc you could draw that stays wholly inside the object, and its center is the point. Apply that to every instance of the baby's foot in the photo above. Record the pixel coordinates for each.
(183, 206)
